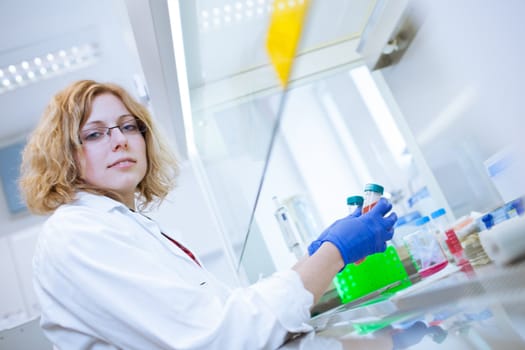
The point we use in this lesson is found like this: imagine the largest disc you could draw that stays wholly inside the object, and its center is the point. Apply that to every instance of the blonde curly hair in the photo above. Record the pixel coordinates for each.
(50, 174)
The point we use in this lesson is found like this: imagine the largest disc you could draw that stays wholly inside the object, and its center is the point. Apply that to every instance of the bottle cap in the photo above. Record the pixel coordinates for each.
(355, 200)
(422, 221)
(407, 219)
(453, 243)
(438, 213)
(518, 205)
(374, 188)
(488, 220)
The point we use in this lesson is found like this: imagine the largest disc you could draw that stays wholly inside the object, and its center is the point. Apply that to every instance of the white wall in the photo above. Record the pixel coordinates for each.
(459, 86)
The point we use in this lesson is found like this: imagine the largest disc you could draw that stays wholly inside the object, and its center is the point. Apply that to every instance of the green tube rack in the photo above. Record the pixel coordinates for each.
(375, 272)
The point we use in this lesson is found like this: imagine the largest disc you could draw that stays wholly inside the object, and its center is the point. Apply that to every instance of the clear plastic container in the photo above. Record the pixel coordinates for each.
(288, 229)
(403, 226)
(304, 216)
(424, 249)
(447, 237)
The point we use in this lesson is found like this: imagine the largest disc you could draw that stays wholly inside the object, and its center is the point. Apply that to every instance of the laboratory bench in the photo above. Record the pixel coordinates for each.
(457, 308)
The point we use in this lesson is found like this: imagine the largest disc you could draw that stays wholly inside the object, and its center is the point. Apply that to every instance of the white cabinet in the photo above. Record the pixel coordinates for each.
(18, 302)
(12, 307)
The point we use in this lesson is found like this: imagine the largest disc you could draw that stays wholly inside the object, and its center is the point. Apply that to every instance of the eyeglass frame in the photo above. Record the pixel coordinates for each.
(141, 128)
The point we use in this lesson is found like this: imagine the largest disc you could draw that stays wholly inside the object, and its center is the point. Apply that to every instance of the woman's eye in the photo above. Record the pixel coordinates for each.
(93, 135)
(129, 127)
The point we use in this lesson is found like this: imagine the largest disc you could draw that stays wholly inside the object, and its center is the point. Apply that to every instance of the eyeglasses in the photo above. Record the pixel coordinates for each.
(127, 126)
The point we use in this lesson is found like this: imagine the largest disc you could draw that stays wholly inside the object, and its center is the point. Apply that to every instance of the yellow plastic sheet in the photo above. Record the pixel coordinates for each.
(283, 35)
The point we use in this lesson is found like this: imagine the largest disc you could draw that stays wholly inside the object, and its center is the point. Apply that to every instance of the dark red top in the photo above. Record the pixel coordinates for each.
(184, 249)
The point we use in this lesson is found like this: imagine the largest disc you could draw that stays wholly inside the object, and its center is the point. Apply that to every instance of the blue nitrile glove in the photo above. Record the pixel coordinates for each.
(312, 248)
(415, 333)
(359, 236)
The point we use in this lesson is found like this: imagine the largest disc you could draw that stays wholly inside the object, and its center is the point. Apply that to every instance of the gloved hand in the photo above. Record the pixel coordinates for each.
(357, 236)
(415, 333)
(312, 248)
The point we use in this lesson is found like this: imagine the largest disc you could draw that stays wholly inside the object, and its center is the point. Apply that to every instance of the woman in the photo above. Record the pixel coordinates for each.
(107, 277)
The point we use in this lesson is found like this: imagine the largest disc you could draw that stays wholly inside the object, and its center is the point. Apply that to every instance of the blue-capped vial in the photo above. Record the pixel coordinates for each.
(354, 202)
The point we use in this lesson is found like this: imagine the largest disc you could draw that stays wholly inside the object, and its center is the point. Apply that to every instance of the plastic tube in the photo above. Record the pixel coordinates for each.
(372, 193)
(354, 202)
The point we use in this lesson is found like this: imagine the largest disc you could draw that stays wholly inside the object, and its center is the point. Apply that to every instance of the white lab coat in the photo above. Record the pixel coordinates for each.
(107, 279)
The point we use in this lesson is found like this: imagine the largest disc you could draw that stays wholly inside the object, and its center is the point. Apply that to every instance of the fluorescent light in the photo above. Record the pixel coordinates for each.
(336, 118)
(236, 12)
(182, 74)
(379, 111)
(47, 65)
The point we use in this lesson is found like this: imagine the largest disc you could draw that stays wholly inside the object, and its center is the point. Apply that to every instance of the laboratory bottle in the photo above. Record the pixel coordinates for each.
(303, 215)
(488, 220)
(288, 229)
(404, 226)
(372, 193)
(447, 237)
(517, 206)
(353, 203)
(424, 248)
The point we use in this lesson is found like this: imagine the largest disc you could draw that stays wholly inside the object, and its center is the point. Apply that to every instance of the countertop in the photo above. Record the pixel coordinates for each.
(457, 308)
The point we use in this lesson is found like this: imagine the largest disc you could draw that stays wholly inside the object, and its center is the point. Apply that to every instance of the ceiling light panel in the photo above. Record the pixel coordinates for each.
(47, 65)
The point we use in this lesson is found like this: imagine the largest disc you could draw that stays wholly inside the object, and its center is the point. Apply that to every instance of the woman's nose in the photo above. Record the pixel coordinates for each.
(117, 139)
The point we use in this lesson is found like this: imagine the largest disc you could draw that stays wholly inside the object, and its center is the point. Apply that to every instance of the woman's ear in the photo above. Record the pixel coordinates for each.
(79, 162)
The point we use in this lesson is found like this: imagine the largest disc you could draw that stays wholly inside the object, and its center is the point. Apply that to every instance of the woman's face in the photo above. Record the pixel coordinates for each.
(117, 161)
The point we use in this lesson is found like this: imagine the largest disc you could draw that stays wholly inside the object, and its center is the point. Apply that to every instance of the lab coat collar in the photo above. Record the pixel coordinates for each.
(108, 204)
(101, 202)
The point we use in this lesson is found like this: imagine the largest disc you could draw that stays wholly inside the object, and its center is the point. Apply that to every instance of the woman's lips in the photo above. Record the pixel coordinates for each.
(122, 163)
